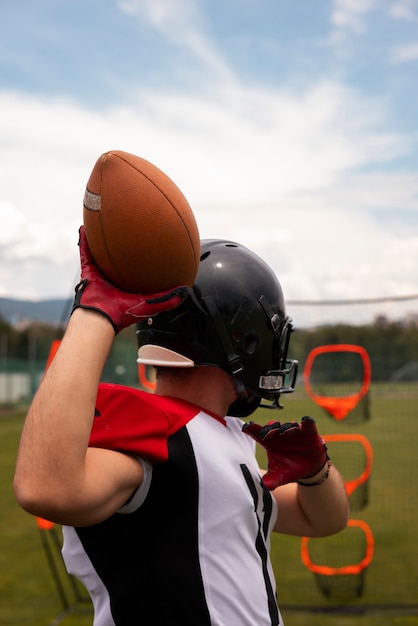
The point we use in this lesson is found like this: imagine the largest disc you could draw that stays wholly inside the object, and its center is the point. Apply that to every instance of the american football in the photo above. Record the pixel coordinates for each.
(139, 226)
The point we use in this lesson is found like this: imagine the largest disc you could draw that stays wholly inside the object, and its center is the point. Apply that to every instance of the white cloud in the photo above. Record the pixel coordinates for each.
(406, 10)
(274, 170)
(182, 23)
(167, 15)
(404, 53)
(349, 15)
(11, 223)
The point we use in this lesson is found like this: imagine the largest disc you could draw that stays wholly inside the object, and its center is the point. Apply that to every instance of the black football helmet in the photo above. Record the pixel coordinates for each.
(234, 319)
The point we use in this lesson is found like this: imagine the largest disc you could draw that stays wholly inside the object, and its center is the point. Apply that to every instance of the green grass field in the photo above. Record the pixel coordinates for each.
(28, 596)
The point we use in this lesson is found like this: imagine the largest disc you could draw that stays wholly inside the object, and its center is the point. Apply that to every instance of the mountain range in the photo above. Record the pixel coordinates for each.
(54, 312)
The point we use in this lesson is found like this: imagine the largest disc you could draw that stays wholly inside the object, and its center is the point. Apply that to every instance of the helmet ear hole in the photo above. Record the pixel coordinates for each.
(250, 343)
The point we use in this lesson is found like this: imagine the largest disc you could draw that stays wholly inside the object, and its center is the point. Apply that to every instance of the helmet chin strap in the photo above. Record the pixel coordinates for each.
(243, 407)
(234, 364)
(240, 388)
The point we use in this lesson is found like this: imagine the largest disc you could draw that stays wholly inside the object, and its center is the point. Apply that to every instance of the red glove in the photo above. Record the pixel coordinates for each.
(121, 308)
(294, 451)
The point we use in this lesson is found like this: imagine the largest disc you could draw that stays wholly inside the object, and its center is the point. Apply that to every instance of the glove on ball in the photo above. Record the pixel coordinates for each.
(121, 308)
(294, 451)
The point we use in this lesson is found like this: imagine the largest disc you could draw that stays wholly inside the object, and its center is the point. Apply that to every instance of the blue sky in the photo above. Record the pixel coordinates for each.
(290, 125)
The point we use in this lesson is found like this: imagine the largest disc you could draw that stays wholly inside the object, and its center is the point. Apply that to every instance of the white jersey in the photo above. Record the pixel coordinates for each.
(191, 548)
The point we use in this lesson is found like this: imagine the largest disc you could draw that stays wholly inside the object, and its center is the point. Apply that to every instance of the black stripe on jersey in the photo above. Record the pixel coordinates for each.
(148, 560)
(268, 508)
(260, 542)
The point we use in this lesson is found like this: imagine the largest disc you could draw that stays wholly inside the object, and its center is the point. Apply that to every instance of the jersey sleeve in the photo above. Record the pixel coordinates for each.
(136, 422)
(128, 421)
(141, 492)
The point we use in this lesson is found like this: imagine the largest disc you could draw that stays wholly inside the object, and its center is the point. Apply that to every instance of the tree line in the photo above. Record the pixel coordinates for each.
(392, 346)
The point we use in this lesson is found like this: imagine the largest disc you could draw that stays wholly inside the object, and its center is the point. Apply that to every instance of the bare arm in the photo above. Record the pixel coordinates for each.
(315, 511)
(57, 476)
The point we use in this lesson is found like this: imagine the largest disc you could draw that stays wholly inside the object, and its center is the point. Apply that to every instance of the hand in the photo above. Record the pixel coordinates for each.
(121, 308)
(294, 451)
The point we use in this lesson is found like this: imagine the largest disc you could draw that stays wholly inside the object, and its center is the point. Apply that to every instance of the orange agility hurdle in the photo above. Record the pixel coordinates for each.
(355, 483)
(52, 352)
(143, 379)
(337, 406)
(352, 569)
(72, 594)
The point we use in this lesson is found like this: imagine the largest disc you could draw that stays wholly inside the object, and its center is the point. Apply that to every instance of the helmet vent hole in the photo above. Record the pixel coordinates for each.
(250, 343)
(205, 255)
(231, 245)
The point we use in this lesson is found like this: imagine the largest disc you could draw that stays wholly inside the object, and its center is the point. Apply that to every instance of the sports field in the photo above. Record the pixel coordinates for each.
(28, 596)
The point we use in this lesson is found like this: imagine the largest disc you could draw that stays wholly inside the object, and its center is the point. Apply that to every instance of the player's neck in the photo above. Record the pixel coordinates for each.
(208, 387)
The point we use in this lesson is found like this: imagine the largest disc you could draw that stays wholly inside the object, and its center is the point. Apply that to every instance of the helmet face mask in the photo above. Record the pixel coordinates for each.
(234, 319)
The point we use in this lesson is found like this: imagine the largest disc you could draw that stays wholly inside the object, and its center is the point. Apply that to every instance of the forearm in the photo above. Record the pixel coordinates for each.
(55, 436)
(318, 510)
(325, 505)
